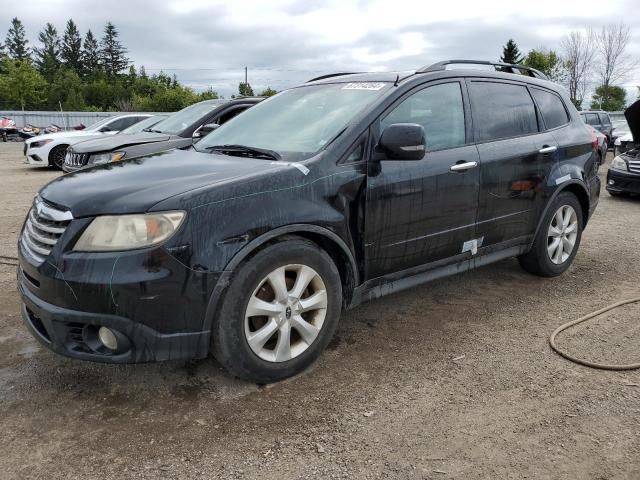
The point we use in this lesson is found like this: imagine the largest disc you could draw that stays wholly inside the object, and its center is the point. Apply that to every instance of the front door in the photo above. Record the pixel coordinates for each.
(422, 212)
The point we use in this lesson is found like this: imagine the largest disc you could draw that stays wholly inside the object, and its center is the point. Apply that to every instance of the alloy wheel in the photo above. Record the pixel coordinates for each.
(562, 234)
(58, 157)
(285, 313)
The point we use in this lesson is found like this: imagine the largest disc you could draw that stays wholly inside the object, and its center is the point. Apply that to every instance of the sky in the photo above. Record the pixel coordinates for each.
(207, 43)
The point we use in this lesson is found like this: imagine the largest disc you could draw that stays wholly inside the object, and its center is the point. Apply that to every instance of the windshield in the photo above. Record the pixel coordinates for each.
(298, 122)
(177, 122)
(140, 126)
(98, 124)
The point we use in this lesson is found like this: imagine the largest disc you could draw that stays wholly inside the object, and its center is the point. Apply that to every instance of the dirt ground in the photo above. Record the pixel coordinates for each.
(393, 397)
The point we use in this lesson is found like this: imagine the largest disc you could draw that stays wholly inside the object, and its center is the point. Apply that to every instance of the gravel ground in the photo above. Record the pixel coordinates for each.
(453, 379)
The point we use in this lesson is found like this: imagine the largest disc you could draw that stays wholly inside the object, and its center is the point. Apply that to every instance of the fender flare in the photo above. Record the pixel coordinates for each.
(225, 276)
(561, 188)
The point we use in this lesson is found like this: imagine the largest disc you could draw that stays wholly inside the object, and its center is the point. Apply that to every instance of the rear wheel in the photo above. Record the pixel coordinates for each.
(558, 239)
(279, 312)
(56, 156)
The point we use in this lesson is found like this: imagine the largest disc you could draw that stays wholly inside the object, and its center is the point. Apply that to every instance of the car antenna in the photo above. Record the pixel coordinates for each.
(397, 80)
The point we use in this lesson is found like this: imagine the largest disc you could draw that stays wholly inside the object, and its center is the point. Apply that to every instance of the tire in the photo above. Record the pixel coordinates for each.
(288, 260)
(56, 156)
(543, 259)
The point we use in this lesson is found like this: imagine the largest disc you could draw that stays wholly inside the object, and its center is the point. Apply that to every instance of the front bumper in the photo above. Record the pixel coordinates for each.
(37, 157)
(623, 182)
(155, 305)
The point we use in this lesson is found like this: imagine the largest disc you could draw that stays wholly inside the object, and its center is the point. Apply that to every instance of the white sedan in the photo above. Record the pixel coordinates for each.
(50, 149)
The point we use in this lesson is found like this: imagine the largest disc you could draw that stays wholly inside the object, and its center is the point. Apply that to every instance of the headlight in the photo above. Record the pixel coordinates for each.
(101, 158)
(618, 163)
(40, 143)
(128, 232)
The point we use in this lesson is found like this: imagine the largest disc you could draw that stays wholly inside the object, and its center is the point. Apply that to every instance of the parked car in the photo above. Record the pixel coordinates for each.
(179, 130)
(620, 129)
(602, 144)
(623, 177)
(49, 150)
(600, 121)
(322, 197)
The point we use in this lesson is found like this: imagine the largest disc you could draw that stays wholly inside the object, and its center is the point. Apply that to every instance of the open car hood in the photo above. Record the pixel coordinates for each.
(632, 114)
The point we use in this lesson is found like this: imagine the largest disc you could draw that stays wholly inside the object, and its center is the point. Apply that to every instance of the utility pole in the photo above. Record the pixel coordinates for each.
(245, 75)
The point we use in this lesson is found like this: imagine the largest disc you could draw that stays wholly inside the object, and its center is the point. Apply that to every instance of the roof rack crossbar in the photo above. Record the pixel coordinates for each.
(322, 77)
(509, 67)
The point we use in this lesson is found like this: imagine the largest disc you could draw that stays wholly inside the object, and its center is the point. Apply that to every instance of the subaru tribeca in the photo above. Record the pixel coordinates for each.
(346, 188)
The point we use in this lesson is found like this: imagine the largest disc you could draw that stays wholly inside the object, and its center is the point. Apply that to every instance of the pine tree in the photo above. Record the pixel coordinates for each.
(90, 55)
(143, 73)
(245, 89)
(113, 57)
(47, 58)
(71, 51)
(16, 41)
(511, 53)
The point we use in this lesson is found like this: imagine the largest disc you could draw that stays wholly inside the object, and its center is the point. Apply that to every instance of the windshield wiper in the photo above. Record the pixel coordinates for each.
(151, 130)
(243, 150)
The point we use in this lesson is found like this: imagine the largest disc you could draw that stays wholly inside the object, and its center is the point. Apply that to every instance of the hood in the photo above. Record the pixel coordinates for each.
(632, 114)
(109, 143)
(136, 185)
(58, 135)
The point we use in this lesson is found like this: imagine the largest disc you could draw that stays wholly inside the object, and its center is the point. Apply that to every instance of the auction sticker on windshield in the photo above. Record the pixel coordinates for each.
(363, 86)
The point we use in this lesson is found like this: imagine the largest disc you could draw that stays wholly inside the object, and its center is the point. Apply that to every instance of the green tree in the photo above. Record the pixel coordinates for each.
(16, 41)
(609, 98)
(47, 57)
(511, 53)
(67, 90)
(90, 55)
(208, 94)
(547, 61)
(268, 92)
(113, 54)
(71, 51)
(245, 89)
(21, 85)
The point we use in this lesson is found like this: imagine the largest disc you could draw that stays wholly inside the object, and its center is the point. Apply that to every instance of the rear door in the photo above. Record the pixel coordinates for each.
(421, 212)
(515, 152)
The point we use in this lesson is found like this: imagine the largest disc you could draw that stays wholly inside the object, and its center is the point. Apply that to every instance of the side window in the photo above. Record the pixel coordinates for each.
(604, 119)
(551, 107)
(439, 109)
(356, 154)
(122, 123)
(502, 110)
(228, 115)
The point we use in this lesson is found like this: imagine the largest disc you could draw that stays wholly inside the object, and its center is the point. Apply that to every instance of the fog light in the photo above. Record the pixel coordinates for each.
(612, 182)
(108, 338)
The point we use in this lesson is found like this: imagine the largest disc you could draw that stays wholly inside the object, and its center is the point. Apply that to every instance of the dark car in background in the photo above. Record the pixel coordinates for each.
(178, 130)
(600, 121)
(324, 196)
(623, 177)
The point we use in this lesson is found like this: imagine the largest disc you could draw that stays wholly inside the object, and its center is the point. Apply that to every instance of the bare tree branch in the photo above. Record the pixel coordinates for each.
(614, 64)
(578, 52)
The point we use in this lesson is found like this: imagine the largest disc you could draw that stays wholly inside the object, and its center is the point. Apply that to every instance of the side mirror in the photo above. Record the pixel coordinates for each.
(403, 141)
(105, 129)
(205, 130)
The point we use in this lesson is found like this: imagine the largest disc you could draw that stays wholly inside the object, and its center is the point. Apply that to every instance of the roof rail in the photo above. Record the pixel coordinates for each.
(507, 67)
(322, 77)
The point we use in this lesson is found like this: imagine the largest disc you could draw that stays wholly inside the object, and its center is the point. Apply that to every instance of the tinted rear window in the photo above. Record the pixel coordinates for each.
(502, 110)
(591, 119)
(551, 107)
(604, 119)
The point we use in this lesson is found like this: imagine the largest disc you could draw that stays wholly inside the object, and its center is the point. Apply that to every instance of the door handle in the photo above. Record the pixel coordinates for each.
(463, 166)
(548, 149)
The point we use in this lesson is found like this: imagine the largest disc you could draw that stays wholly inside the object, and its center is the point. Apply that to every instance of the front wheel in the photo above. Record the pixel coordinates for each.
(56, 156)
(279, 312)
(558, 239)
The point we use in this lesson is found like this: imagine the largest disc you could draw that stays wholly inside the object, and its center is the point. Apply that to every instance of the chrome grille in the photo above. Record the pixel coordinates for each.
(45, 224)
(634, 166)
(76, 159)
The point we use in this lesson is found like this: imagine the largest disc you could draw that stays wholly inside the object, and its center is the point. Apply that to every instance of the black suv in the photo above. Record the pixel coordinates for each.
(623, 176)
(179, 130)
(600, 121)
(324, 196)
